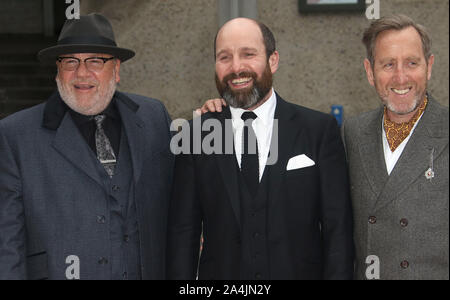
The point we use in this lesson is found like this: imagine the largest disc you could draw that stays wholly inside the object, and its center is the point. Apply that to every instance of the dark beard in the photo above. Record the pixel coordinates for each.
(247, 98)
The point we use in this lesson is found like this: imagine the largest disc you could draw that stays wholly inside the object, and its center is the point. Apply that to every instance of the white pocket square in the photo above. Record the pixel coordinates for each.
(299, 161)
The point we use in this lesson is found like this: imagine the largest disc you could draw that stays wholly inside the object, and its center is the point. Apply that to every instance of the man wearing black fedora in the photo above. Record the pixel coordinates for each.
(85, 176)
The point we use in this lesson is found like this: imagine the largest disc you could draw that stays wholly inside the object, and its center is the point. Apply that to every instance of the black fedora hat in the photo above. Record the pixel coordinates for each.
(89, 34)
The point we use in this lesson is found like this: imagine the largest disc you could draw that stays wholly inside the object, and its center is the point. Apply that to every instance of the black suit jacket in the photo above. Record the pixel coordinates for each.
(309, 218)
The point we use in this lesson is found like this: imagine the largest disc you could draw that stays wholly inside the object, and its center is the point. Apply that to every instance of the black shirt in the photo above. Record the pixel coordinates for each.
(112, 125)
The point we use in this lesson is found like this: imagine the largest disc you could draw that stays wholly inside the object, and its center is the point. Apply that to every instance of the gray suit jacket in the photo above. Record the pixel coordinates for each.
(403, 218)
(52, 199)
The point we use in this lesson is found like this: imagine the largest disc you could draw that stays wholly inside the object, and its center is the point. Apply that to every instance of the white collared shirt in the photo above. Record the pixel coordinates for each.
(262, 125)
(390, 157)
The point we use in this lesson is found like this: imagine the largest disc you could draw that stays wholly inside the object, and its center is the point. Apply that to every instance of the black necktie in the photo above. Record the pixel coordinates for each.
(105, 152)
(249, 159)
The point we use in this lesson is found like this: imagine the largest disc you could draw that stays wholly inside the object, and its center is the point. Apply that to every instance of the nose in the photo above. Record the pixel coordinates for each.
(401, 75)
(82, 70)
(236, 65)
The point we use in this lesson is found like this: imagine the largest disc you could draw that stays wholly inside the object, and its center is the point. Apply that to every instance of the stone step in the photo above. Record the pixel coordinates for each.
(19, 94)
(24, 43)
(17, 57)
(26, 81)
(26, 69)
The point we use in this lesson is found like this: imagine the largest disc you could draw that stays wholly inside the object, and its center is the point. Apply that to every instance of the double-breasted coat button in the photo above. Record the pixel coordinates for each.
(115, 188)
(258, 276)
(404, 264)
(101, 219)
(126, 238)
(102, 261)
(403, 222)
(372, 219)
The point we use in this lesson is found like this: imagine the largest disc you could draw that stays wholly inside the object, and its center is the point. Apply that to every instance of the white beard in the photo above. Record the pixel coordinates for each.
(99, 102)
(393, 108)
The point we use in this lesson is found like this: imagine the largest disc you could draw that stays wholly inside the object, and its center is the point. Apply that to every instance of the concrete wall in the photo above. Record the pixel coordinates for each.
(321, 54)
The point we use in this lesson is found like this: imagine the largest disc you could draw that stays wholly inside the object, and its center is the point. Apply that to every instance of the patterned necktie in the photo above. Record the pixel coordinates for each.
(396, 133)
(105, 152)
(250, 161)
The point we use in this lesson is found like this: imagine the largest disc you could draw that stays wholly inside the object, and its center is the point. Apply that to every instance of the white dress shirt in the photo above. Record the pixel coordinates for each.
(262, 126)
(390, 157)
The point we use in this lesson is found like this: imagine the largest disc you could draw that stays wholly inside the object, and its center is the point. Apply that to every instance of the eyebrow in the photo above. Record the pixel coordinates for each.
(220, 52)
(240, 49)
(414, 58)
(249, 49)
(394, 59)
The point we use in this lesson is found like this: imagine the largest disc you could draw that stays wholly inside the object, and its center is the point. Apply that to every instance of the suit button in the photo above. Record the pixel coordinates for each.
(115, 188)
(101, 219)
(126, 238)
(403, 222)
(256, 235)
(258, 276)
(102, 261)
(372, 219)
(404, 264)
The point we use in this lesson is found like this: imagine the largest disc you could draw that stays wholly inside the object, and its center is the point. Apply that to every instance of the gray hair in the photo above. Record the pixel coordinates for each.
(395, 22)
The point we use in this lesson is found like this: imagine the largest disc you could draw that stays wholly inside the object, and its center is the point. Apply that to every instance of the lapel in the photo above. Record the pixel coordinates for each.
(134, 129)
(283, 140)
(372, 154)
(416, 157)
(227, 164)
(70, 144)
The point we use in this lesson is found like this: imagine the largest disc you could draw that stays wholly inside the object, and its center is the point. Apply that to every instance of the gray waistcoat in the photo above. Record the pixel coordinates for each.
(124, 233)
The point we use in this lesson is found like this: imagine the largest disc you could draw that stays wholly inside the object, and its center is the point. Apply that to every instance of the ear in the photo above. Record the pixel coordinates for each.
(57, 69)
(430, 66)
(117, 69)
(369, 72)
(273, 61)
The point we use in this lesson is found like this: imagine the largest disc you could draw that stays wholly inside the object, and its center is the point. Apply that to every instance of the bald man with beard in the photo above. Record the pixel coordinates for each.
(261, 218)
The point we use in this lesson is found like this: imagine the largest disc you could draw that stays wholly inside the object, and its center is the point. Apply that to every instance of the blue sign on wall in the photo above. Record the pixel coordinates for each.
(338, 111)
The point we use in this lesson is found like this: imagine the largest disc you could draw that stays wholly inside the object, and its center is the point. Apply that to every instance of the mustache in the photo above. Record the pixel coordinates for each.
(89, 82)
(233, 76)
(77, 82)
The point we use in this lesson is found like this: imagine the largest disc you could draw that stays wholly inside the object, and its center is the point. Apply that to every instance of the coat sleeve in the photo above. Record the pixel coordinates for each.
(336, 211)
(12, 218)
(185, 223)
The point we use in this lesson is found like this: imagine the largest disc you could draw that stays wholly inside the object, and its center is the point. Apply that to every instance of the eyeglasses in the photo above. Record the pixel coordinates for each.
(93, 64)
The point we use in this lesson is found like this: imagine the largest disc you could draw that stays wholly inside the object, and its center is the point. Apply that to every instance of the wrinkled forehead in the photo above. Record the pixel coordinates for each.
(397, 42)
